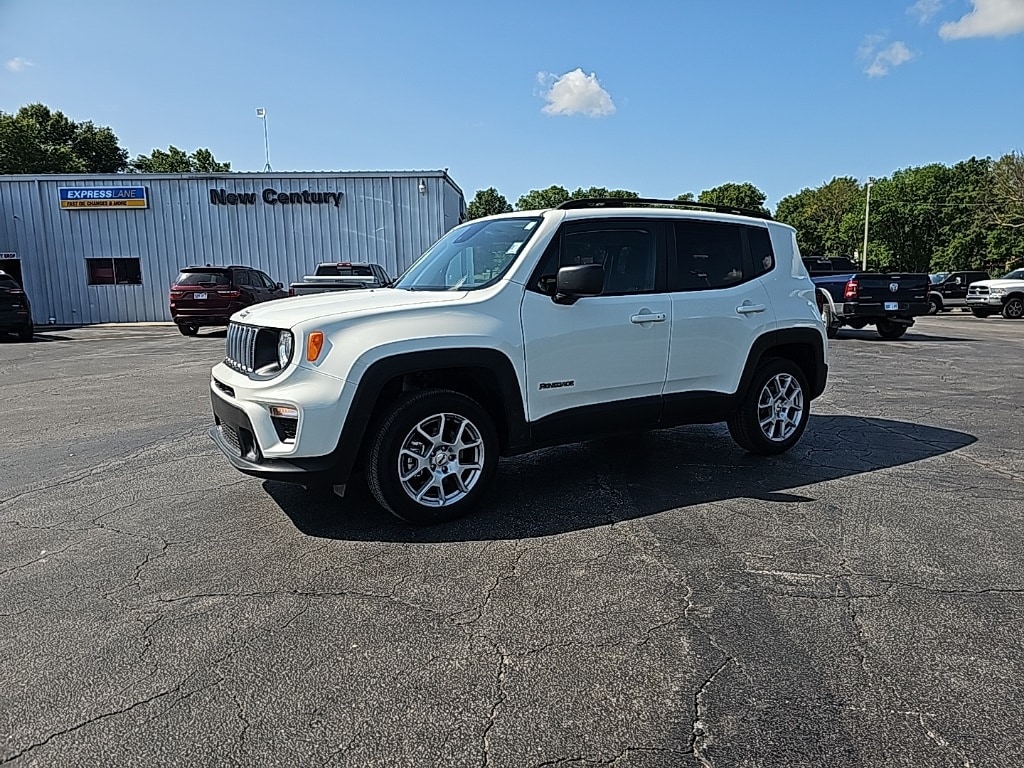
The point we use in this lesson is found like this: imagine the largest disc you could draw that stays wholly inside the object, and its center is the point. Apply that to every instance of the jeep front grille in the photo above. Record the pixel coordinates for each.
(251, 350)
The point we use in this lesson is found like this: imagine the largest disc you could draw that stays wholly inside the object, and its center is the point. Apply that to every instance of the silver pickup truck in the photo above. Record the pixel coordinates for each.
(340, 276)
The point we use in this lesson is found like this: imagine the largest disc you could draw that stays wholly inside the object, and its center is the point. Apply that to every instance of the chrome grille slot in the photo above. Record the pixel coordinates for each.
(241, 347)
(250, 349)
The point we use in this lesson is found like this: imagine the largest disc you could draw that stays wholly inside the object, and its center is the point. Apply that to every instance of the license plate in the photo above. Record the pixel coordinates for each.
(890, 306)
(203, 296)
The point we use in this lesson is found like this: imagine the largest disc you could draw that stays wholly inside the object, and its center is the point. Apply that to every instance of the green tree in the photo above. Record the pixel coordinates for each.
(1007, 191)
(819, 214)
(744, 195)
(539, 199)
(38, 140)
(686, 197)
(602, 192)
(175, 160)
(487, 202)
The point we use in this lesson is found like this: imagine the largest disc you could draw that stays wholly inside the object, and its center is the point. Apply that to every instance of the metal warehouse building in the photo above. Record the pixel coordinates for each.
(105, 248)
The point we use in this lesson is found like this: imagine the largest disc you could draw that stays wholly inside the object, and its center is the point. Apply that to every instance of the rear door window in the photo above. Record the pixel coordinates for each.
(709, 255)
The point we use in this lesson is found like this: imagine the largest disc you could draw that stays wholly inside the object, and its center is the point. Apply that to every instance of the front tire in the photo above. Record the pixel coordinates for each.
(432, 456)
(887, 329)
(774, 412)
(936, 306)
(1013, 309)
(188, 329)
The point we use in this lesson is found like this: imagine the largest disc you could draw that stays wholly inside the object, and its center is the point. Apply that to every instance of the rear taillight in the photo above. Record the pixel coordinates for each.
(177, 294)
(230, 294)
(850, 291)
(291, 291)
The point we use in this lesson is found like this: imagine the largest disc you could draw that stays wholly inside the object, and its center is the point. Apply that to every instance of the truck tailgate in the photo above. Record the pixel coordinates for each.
(895, 287)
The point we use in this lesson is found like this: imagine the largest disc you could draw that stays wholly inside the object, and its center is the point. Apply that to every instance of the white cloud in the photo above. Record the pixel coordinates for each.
(575, 93)
(882, 59)
(925, 10)
(990, 18)
(17, 64)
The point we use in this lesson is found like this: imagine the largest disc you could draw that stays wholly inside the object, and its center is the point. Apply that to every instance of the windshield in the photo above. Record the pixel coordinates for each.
(1017, 274)
(203, 278)
(938, 277)
(471, 256)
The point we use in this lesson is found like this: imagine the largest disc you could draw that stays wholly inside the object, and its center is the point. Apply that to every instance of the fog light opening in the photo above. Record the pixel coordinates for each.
(284, 412)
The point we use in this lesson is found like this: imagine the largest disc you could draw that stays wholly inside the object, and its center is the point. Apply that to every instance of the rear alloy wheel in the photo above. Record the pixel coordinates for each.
(432, 456)
(774, 411)
(188, 329)
(1013, 309)
(27, 333)
(936, 305)
(887, 329)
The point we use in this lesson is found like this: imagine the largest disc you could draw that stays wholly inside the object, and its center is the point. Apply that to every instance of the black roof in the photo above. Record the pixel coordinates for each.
(650, 202)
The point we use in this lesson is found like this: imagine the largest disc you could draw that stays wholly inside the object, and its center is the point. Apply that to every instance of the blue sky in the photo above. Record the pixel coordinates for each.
(661, 97)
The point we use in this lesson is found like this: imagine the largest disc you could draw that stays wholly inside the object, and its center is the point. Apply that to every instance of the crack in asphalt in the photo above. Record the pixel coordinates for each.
(607, 760)
(699, 734)
(504, 661)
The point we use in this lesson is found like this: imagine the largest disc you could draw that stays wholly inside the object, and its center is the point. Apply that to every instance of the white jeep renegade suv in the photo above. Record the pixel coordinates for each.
(524, 330)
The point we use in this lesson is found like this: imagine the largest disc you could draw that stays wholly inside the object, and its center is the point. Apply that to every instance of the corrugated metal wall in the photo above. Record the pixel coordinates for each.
(383, 218)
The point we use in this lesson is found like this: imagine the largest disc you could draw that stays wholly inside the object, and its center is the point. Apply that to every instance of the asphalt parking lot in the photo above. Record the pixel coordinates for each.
(661, 600)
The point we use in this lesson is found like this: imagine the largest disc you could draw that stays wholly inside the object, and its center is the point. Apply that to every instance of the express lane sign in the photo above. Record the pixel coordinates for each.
(103, 197)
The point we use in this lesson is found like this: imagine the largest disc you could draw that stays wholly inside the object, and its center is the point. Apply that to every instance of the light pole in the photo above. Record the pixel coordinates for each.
(867, 210)
(261, 113)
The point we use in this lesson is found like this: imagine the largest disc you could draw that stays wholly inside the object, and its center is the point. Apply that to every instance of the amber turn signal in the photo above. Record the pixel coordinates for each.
(314, 344)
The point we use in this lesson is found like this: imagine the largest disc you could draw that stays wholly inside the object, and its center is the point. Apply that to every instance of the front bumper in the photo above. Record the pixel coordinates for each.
(234, 435)
(990, 301)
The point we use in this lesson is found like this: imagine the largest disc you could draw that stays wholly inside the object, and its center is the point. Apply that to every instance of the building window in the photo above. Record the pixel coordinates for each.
(114, 271)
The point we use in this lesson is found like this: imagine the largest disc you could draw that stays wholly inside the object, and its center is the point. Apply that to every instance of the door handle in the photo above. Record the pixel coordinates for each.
(749, 309)
(648, 317)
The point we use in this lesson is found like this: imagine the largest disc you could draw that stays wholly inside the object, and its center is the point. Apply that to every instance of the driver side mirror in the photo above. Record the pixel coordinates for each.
(572, 283)
(280, 286)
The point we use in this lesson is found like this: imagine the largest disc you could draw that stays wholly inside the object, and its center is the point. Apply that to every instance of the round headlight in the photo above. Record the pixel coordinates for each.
(285, 346)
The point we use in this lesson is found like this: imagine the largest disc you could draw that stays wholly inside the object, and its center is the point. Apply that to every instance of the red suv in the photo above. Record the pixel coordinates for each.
(203, 296)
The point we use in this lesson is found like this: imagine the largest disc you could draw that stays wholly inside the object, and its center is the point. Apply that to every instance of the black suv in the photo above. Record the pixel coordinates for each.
(15, 311)
(204, 296)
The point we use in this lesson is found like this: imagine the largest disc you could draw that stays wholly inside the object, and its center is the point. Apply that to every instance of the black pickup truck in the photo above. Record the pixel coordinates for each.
(887, 300)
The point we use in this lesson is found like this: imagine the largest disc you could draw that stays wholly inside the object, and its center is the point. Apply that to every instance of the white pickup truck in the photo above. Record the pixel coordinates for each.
(340, 276)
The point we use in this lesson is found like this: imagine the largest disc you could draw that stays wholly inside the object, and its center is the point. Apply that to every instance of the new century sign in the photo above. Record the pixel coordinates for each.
(273, 197)
(103, 197)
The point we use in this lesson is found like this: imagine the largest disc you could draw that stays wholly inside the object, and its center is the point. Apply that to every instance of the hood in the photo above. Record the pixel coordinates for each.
(1001, 283)
(286, 313)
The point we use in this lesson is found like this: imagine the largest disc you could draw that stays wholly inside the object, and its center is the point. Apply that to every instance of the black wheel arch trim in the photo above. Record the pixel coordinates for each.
(788, 337)
(379, 373)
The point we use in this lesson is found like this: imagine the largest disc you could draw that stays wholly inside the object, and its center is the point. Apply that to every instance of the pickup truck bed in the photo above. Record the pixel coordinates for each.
(340, 276)
(889, 301)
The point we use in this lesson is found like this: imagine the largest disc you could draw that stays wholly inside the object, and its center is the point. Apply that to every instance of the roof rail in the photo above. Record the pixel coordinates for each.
(629, 202)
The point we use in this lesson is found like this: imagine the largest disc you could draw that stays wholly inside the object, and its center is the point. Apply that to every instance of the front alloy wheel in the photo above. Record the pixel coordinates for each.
(432, 456)
(774, 412)
(1013, 309)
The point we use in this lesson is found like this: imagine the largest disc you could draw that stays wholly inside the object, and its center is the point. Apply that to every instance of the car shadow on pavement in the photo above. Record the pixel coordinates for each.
(871, 335)
(37, 339)
(587, 485)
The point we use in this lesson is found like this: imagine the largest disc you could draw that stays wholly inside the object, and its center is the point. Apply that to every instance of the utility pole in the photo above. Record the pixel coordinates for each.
(867, 211)
(261, 113)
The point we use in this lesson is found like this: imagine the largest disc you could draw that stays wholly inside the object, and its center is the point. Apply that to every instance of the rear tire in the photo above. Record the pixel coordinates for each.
(1013, 309)
(188, 329)
(890, 330)
(774, 411)
(432, 456)
(829, 319)
(27, 333)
